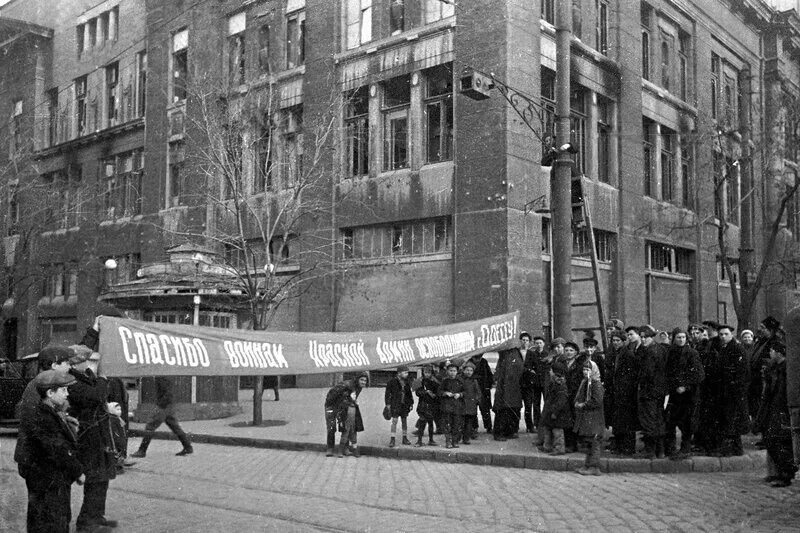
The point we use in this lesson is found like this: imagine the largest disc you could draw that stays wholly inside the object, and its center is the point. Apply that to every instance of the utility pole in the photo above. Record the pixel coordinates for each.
(560, 185)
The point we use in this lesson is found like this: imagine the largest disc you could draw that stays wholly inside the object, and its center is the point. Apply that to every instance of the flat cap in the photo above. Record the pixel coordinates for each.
(53, 378)
(81, 353)
(55, 354)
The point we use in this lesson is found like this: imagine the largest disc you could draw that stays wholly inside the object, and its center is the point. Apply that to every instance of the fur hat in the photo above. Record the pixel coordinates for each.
(589, 339)
(771, 323)
(712, 324)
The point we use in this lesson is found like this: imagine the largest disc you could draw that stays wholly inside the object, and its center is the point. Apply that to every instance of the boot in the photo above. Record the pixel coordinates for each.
(187, 445)
(454, 441)
(432, 442)
(660, 448)
(354, 451)
(465, 440)
(329, 452)
(448, 441)
(344, 447)
(406, 441)
(391, 442)
(419, 442)
(142, 451)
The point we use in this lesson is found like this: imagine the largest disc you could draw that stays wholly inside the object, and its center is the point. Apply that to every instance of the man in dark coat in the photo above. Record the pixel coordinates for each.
(529, 355)
(768, 333)
(399, 401)
(574, 363)
(340, 403)
(508, 394)
(734, 416)
(89, 404)
(617, 344)
(705, 423)
(652, 392)
(485, 378)
(164, 413)
(626, 393)
(53, 461)
(684, 375)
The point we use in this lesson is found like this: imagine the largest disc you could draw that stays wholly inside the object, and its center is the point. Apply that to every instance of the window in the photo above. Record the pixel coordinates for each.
(397, 16)
(52, 116)
(548, 11)
(548, 94)
(685, 177)
(667, 45)
(357, 128)
(439, 113)
(293, 146)
(236, 49)
(603, 241)
(396, 100)
(102, 28)
(12, 225)
(577, 122)
(123, 184)
(113, 23)
(64, 203)
(232, 160)
(251, 255)
(15, 139)
(647, 156)
(438, 10)
(180, 65)
(263, 49)
(141, 82)
(731, 91)
(112, 97)
(175, 161)
(80, 31)
(604, 139)
(92, 31)
(279, 248)
(646, 12)
(295, 39)
(359, 22)
(264, 170)
(667, 165)
(722, 274)
(791, 128)
(683, 65)
(715, 69)
(420, 237)
(670, 259)
(732, 190)
(547, 238)
(577, 19)
(719, 182)
(127, 269)
(601, 7)
(61, 280)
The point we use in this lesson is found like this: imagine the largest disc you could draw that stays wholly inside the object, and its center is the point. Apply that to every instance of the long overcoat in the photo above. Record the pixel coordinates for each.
(88, 397)
(589, 420)
(508, 393)
(734, 413)
(626, 374)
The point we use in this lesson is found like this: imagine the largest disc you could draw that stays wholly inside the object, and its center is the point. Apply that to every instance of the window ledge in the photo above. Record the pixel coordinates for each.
(668, 275)
(413, 34)
(399, 259)
(664, 94)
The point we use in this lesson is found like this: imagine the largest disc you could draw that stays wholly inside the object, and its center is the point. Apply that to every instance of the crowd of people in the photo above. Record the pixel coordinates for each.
(650, 394)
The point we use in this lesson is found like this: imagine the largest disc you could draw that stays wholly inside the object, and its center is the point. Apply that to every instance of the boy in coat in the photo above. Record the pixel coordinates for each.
(399, 402)
(53, 462)
(427, 390)
(451, 393)
(774, 422)
(589, 419)
(472, 395)
(556, 414)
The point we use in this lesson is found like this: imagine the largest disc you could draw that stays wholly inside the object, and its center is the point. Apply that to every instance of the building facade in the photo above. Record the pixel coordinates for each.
(156, 124)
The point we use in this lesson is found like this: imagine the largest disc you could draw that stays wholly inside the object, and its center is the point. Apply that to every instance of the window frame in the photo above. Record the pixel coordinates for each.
(179, 66)
(356, 129)
(295, 38)
(443, 102)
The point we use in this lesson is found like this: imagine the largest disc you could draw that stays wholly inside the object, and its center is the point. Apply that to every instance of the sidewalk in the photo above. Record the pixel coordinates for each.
(296, 422)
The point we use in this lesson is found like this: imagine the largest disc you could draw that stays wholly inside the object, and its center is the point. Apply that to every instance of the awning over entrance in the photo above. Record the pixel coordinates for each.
(134, 348)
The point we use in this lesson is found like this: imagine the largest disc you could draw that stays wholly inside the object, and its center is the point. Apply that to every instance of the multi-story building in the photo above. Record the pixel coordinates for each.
(684, 116)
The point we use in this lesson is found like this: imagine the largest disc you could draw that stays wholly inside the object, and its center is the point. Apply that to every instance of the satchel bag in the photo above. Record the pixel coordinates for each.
(387, 413)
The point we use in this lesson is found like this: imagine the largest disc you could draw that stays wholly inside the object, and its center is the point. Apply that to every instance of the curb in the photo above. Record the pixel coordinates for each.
(745, 463)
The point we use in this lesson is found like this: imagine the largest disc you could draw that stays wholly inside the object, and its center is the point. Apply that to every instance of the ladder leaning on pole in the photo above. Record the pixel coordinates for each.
(583, 207)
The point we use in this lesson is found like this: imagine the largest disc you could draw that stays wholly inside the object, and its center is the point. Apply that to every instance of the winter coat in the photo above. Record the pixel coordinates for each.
(653, 372)
(556, 412)
(773, 416)
(88, 397)
(398, 397)
(589, 419)
(483, 373)
(735, 419)
(472, 395)
(626, 376)
(26, 409)
(428, 404)
(449, 404)
(164, 396)
(528, 378)
(508, 393)
(609, 364)
(53, 449)
(340, 399)
(684, 368)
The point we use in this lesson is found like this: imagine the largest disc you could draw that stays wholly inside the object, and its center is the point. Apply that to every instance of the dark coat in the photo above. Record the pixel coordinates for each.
(609, 367)
(88, 398)
(483, 373)
(26, 409)
(706, 419)
(427, 390)
(626, 376)
(398, 397)
(589, 419)
(773, 416)
(340, 400)
(684, 368)
(653, 371)
(449, 404)
(53, 448)
(164, 396)
(472, 395)
(508, 393)
(735, 419)
(556, 412)
(529, 370)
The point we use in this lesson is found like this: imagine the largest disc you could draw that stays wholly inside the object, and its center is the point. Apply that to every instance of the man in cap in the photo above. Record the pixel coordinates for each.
(485, 378)
(768, 333)
(53, 463)
(342, 413)
(529, 355)
(508, 394)
(733, 415)
(652, 392)
(49, 358)
(684, 375)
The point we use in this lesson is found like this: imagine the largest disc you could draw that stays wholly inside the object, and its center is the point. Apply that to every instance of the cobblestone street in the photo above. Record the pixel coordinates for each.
(244, 489)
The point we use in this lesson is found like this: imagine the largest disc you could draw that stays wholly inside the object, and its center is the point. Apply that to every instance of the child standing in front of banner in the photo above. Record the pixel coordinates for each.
(427, 390)
(451, 393)
(399, 401)
(472, 396)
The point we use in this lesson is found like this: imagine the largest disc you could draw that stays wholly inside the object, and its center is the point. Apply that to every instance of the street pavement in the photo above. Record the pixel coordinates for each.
(225, 488)
(297, 422)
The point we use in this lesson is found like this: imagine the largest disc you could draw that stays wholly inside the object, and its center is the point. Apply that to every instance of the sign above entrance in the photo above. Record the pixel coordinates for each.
(133, 348)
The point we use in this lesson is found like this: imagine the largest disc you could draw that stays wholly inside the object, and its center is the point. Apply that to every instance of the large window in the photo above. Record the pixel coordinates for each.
(236, 48)
(127, 268)
(577, 124)
(648, 130)
(603, 241)
(718, 174)
(64, 197)
(439, 113)
(175, 177)
(667, 47)
(732, 190)
(112, 94)
(52, 115)
(397, 16)
(141, 82)
(61, 280)
(264, 165)
(80, 105)
(687, 154)
(684, 44)
(715, 72)
(670, 259)
(438, 9)
(359, 22)
(668, 192)
(122, 196)
(263, 49)
(396, 101)
(605, 143)
(357, 128)
(646, 13)
(549, 11)
(180, 65)
(420, 237)
(601, 30)
(731, 102)
(295, 39)
(15, 127)
(293, 146)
